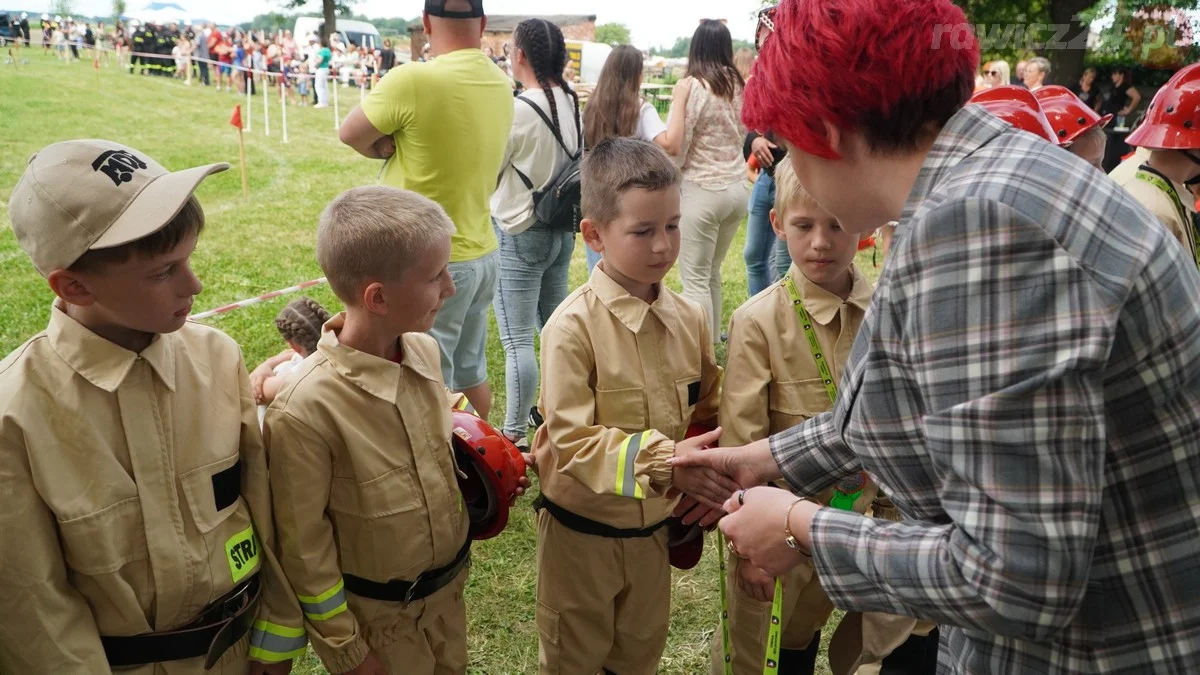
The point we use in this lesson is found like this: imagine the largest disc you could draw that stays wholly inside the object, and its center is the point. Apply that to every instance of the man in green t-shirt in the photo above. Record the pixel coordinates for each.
(443, 127)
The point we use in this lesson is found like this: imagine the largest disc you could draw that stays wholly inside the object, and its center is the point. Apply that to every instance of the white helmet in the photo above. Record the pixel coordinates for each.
(70, 20)
(57, 18)
(24, 15)
(188, 23)
(45, 17)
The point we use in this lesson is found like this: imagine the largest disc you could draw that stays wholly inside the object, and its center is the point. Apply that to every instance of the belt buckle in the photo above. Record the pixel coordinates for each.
(235, 602)
(412, 588)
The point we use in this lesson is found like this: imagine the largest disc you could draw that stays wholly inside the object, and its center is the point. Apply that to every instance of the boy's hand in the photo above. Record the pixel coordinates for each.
(755, 582)
(692, 512)
(282, 668)
(385, 147)
(370, 666)
(523, 482)
(707, 486)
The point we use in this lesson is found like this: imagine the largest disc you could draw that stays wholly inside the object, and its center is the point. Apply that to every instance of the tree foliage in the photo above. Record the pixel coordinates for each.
(613, 34)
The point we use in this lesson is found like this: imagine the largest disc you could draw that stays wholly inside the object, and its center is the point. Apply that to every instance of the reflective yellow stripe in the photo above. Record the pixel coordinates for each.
(326, 605)
(627, 485)
(464, 404)
(272, 643)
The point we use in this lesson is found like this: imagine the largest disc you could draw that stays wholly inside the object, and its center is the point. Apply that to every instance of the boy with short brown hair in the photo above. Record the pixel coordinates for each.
(627, 366)
(779, 378)
(130, 459)
(372, 530)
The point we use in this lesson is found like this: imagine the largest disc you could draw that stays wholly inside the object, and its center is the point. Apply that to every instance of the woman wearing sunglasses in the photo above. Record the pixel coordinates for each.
(1026, 382)
(996, 74)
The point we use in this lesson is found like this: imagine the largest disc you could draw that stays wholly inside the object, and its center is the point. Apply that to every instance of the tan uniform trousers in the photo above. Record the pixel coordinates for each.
(805, 611)
(601, 602)
(426, 637)
(863, 640)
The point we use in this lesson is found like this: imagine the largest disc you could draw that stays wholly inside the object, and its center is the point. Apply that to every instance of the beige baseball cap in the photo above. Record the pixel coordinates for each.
(77, 196)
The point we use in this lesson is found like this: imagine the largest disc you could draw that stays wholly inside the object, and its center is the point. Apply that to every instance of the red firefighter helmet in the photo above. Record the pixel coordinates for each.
(1017, 106)
(685, 543)
(1173, 118)
(493, 466)
(1069, 116)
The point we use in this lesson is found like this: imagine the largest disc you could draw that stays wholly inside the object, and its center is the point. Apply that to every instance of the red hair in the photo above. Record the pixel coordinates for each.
(881, 68)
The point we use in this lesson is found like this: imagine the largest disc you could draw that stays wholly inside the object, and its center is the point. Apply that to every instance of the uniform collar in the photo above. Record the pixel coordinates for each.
(103, 363)
(1142, 157)
(822, 305)
(629, 310)
(966, 132)
(376, 376)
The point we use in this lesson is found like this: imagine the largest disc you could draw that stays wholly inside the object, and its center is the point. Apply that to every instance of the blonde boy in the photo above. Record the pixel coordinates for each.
(372, 530)
(627, 365)
(133, 484)
(774, 384)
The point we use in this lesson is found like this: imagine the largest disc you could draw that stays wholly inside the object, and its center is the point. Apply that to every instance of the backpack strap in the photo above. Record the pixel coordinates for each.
(554, 130)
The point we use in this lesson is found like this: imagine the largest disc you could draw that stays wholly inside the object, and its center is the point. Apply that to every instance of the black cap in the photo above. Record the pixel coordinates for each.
(438, 8)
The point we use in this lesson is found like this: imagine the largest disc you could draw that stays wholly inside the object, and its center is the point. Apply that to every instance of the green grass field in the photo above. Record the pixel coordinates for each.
(266, 242)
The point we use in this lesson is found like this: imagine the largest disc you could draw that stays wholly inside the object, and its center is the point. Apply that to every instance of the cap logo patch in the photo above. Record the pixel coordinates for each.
(118, 165)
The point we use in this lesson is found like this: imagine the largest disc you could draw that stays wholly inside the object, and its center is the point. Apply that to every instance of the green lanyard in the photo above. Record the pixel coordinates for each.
(1188, 225)
(771, 659)
(841, 500)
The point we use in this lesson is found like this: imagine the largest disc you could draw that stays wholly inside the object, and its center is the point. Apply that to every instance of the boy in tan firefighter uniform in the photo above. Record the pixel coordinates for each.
(372, 530)
(1167, 161)
(133, 482)
(774, 384)
(627, 365)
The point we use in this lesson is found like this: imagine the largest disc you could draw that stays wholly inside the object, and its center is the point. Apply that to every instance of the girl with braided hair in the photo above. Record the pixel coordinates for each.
(534, 257)
(299, 322)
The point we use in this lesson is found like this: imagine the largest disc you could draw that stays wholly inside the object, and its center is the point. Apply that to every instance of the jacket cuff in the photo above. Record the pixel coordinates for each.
(344, 657)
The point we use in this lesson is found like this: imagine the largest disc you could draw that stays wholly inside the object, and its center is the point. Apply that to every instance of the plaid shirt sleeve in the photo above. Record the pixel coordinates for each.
(1007, 336)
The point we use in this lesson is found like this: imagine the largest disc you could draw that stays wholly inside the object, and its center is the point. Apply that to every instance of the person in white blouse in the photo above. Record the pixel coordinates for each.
(616, 108)
(534, 257)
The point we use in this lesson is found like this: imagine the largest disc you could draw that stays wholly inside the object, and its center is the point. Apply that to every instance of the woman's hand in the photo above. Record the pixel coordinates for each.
(748, 465)
(755, 528)
(760, 149)
(754, 582)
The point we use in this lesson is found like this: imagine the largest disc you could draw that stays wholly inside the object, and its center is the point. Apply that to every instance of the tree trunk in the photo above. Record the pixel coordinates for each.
(330, 11)
(1066, 58)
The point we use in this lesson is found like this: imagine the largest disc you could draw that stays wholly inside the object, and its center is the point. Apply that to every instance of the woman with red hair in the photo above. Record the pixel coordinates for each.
(1026, 383)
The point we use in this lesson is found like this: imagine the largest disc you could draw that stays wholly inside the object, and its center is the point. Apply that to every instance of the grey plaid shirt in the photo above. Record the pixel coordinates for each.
(1026, 387)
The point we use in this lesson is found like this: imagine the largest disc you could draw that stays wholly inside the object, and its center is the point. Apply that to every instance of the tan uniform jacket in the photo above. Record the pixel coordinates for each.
(121, 510)
(773, 382)
(364, 480)
(621, 382)
(1158, 202)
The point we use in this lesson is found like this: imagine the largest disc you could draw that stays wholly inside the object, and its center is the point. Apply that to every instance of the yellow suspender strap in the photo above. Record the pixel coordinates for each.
(1188, 225)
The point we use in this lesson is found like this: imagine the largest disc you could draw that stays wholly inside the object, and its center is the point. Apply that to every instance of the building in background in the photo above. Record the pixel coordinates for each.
(500, 27)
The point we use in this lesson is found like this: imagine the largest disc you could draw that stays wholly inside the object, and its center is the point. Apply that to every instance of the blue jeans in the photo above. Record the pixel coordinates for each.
(461, 326)
(783, 259)
(759, 253)
(592, 258)
(533, 281)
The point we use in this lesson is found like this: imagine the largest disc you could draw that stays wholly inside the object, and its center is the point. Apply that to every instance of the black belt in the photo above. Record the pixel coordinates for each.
(574, 521)
(398, 590)
(219, 627)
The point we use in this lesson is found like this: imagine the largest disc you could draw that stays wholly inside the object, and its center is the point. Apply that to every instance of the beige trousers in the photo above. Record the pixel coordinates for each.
(601, 603)
(710, 219)
(805, 611)
(426, 637)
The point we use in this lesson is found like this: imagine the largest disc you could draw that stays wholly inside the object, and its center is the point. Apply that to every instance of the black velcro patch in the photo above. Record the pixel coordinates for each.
(694, 393)
(227, 486)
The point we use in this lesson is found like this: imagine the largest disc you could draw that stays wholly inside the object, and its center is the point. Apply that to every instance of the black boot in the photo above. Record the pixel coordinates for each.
(917, 656)
(800, 661)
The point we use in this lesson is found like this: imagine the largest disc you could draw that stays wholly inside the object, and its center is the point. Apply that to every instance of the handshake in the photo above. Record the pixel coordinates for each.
(708, 477)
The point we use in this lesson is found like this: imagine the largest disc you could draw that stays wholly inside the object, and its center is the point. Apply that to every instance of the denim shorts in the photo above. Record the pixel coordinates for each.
(461, 328)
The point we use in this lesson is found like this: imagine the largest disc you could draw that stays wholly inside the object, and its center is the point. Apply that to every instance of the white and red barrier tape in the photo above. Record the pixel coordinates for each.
(254, 301)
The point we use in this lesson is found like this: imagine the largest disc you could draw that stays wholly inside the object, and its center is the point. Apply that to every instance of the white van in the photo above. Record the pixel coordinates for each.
(360, 33)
